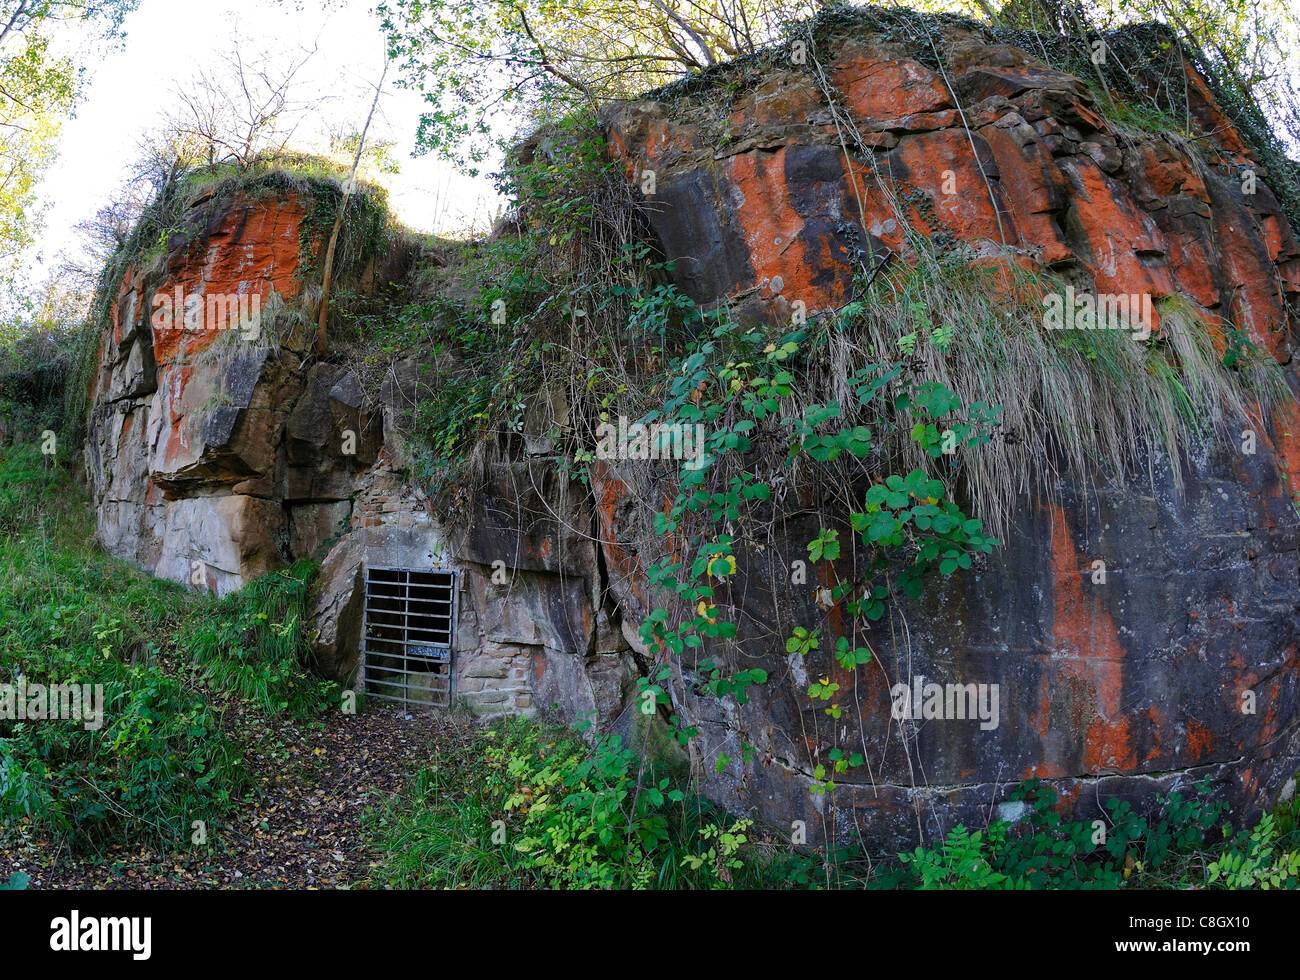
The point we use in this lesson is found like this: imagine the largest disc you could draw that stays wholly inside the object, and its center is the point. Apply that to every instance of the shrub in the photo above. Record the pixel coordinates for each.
(253, 644)
(166, 754)
(1182, 845)
(526, 805)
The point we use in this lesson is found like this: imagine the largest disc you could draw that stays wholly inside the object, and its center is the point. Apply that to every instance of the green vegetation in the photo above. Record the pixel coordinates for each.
(477, 60)
(178, 669)
(1087, 400)
(1182, 844)
(187, 678)
(525, 805)
(33, 375)
(884, 419)
(554, 301)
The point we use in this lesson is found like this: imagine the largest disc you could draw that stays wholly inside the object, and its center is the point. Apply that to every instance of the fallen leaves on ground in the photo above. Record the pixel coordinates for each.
(302, 827)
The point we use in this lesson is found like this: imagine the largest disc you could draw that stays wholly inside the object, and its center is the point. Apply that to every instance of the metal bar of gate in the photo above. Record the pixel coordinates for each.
(394, 586)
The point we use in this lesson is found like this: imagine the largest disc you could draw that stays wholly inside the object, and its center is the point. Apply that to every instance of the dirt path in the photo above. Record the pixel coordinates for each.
(303, 831)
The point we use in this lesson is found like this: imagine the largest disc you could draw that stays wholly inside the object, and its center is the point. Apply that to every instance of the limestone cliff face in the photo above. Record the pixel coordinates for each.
(216, 455)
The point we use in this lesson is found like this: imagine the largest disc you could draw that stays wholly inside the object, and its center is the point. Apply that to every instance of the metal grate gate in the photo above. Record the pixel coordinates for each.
(409, 620)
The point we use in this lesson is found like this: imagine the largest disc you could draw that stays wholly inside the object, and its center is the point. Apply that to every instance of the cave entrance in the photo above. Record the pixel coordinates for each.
(408, 625)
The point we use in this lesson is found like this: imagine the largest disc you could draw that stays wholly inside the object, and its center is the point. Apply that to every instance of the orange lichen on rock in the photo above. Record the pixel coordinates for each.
(879, 90)
(1089, 659)
(1002, 151)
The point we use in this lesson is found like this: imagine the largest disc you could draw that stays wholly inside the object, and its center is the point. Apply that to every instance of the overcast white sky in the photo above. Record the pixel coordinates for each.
(167, 40)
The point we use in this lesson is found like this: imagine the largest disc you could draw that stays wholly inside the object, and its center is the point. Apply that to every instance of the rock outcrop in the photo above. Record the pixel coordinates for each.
(213, 460)
(1186, 665)
(218, 450)
(754, 189)
(206, 447)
